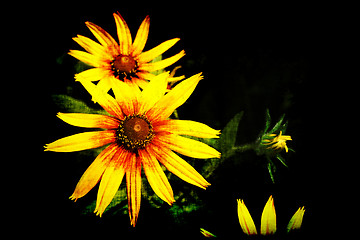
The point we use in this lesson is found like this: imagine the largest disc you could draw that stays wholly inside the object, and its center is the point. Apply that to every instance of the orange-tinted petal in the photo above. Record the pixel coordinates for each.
(111, 180)
(92, 175)
(177, 165)
(246, 222)
(124, 34)
(141, 37)
(175, 98)
(268, 218)
(104, 38)
(133, 183)
(89, 120)
(151, 67)
(82, 141)
(149, 55)
(156, 177)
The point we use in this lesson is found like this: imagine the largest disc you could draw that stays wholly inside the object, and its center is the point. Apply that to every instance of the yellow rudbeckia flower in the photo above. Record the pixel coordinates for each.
(139, 134)
(125, 61)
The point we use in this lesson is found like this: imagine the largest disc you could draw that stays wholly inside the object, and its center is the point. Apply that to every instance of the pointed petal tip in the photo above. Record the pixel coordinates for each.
(73, 198)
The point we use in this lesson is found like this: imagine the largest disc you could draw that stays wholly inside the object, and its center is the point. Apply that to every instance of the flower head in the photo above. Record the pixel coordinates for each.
(277, 142)
(139, 133)
(268, 219)
(123, 61)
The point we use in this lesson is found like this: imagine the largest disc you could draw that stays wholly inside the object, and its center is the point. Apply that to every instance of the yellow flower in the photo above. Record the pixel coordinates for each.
(139, 133)
(268, 219)
(125, 61)
(277, 142)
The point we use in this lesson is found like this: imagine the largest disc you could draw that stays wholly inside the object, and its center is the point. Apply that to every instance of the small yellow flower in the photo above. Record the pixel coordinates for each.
(277, 142)
(268, 219)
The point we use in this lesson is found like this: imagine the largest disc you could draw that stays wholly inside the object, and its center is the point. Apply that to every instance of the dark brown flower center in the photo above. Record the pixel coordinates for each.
(124, 66)
(135, 132)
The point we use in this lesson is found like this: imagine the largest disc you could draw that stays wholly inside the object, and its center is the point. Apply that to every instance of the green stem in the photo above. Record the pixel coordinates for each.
(238, 149)
(243, 148)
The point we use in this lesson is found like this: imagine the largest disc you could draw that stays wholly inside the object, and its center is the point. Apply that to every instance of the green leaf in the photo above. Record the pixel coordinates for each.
(70, 104)
(271, 168)
(228, 134)
(281, 159)
(277, 125)
(267, 120)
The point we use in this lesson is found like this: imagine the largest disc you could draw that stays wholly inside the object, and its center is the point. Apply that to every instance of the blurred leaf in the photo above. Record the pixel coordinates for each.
(278, 125)
(281, 159)
(228, 135)
(271, 168)
(157, 59)
(267, 120)
(70, 104)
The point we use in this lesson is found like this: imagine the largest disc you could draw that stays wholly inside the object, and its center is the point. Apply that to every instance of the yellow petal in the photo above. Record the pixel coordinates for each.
(126, 95)
(92, 74)
(268, 218)
(189, 147)
(111, 180)
(187, 127)
(156, 177)
(146, 75)
(149, 55)
(105, 83)
(296, 220)
(246, 222)
(133, 183)
(141, 37)
(89, 120)
(151, 67)
(105, 100)
(177, 165)
(91, 46)
(104, 38)
(82, 141)
(86, 58)
(175, 98)
(124, 35)
(153, 92)
(94, 172)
